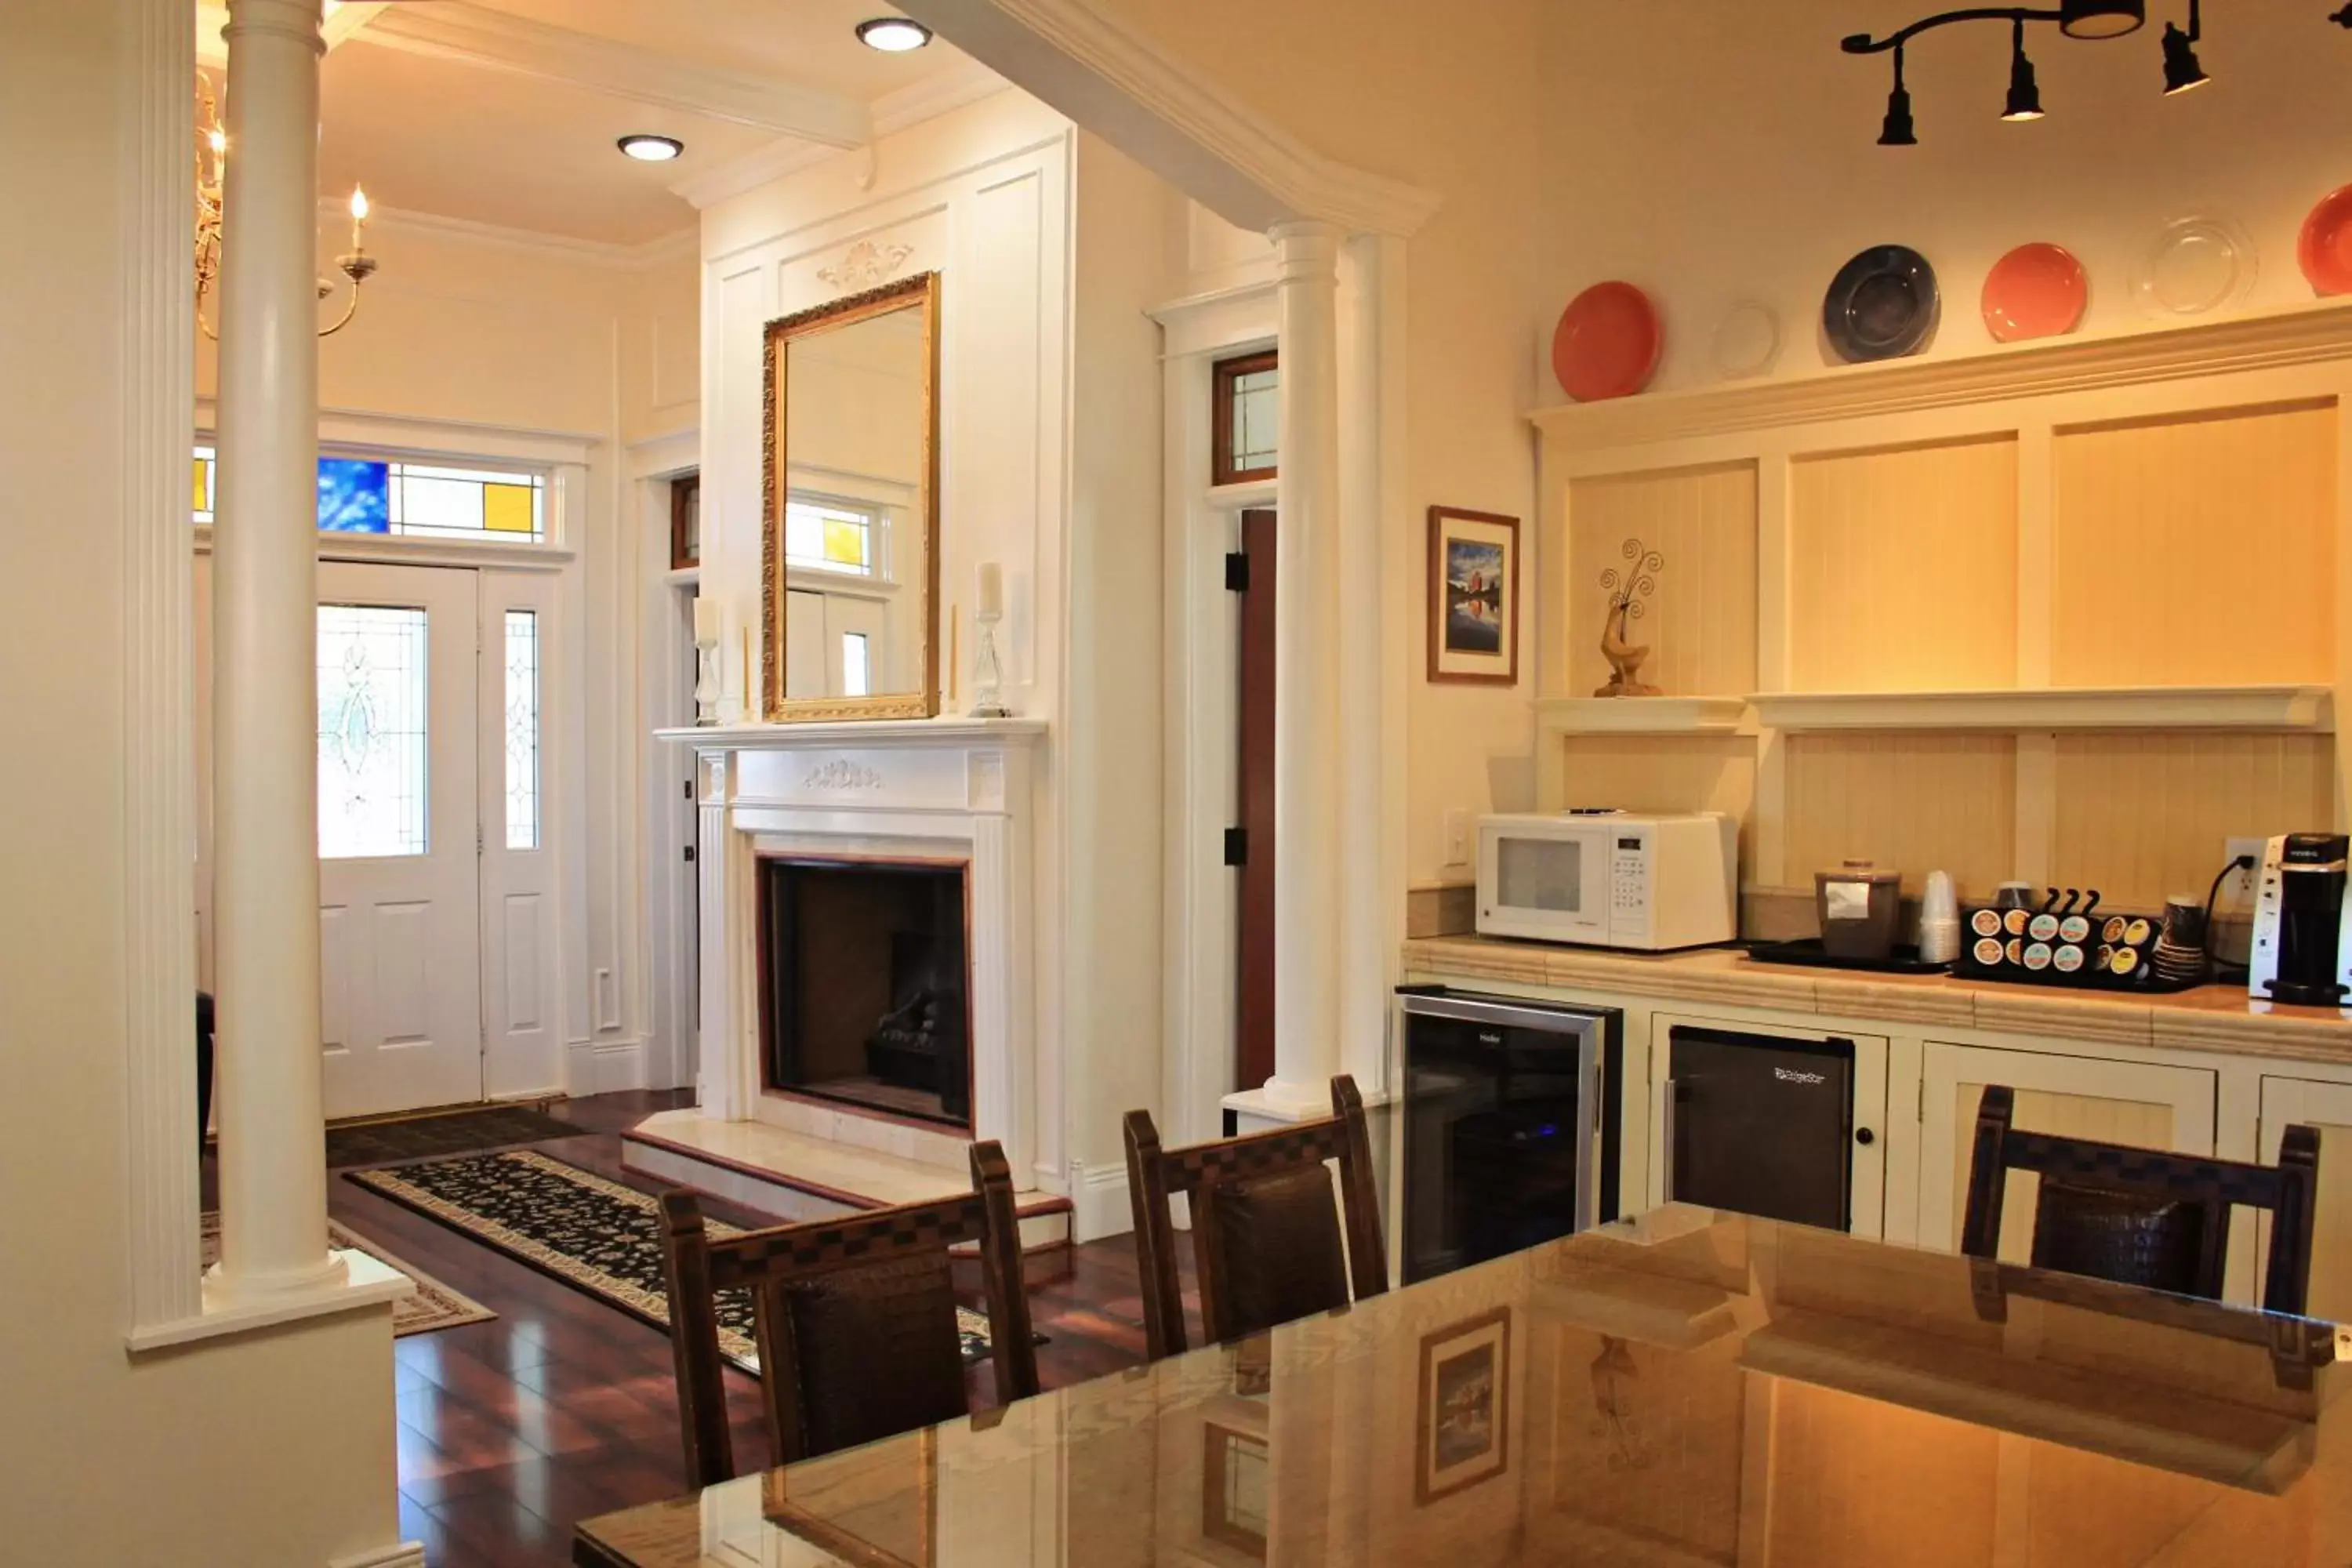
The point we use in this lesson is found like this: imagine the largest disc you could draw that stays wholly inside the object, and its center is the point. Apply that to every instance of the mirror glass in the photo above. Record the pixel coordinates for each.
(852, 528)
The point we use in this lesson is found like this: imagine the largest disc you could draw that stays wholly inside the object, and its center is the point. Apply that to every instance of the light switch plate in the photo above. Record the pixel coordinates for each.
(1457, 837)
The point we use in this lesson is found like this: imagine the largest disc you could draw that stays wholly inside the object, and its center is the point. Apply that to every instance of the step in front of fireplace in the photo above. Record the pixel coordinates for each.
(794, 1176)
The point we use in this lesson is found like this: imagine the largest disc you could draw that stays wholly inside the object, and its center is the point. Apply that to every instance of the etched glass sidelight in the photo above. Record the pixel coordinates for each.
(372, 769)
(522, 729)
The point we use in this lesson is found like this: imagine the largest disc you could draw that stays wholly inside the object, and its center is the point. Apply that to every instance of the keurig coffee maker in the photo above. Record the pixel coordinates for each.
(2302, 924)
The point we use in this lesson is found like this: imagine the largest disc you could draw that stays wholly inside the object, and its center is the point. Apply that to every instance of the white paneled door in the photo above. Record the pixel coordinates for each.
(399, 825)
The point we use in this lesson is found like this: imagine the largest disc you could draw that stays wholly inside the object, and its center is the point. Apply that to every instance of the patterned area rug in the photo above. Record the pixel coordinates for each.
(434, 1306)
(440, 1133)
(599, 1235)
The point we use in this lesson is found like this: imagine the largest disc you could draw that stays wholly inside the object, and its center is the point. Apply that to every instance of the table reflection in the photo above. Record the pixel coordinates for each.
(1685, 1388)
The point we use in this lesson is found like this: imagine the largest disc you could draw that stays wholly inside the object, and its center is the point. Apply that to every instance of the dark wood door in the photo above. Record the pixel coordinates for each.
(1253, 1028)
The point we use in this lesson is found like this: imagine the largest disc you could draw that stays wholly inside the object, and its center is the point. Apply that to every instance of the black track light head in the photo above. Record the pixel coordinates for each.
(2181, 70)
(2342, 18)
(2024, 91)
(1898, 130)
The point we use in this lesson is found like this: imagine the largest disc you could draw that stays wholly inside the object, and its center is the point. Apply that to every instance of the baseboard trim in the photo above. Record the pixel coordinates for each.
(406, 1554)
(1099, 1202)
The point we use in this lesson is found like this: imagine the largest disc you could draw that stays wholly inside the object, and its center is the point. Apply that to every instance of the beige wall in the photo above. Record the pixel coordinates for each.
(1448, 99)
(1715, 152)
(276, 1449)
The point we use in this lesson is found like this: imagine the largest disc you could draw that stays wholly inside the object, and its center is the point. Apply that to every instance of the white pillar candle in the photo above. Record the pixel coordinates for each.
(710, 622)
(991, 590)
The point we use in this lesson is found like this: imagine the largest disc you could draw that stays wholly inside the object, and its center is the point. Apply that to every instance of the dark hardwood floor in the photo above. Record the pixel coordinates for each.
(562, 1408)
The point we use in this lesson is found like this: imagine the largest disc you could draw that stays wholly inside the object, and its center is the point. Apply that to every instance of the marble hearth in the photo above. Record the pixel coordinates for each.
(948, 792)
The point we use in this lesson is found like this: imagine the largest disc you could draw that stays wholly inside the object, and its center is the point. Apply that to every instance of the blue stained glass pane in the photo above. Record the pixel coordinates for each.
(354, 496)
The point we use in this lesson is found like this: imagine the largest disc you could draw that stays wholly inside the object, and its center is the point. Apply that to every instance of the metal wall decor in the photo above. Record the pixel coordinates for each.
(2091, 19)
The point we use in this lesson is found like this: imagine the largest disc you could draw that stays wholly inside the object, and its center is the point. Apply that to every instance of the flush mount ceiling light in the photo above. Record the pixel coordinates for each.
(647, 148)
(893, 35)
(2101, 18)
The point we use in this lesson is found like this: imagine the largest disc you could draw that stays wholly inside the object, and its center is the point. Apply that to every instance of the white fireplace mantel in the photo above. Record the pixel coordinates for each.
(951, 789)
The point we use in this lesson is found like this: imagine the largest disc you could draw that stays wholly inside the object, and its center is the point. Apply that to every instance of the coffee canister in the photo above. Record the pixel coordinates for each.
(1859, 906)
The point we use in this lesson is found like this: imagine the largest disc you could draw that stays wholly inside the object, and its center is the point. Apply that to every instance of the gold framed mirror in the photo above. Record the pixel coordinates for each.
(849, 558)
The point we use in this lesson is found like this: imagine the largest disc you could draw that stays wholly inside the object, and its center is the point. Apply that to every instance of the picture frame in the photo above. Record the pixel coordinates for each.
(1474, 597)
(686, 523)
(1463, 1431)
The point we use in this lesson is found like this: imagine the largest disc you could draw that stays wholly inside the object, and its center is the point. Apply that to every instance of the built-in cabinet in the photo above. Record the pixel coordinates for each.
(2329, 1108)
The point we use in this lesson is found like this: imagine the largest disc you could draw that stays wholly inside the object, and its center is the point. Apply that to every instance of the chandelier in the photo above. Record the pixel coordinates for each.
(212, 162)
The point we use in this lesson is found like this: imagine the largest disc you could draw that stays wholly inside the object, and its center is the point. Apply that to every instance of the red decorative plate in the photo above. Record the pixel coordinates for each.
(2326, 248)
(1607, 345)
(2035, 291)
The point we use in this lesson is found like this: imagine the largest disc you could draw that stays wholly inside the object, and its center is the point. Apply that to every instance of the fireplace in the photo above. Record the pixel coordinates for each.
(865, 981)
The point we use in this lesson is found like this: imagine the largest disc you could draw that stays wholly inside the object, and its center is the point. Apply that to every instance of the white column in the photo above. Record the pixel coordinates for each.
(273, 1175)
(1306, 676)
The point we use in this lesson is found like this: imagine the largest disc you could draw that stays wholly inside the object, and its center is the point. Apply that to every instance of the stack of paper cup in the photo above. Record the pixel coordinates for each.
(1939, 921)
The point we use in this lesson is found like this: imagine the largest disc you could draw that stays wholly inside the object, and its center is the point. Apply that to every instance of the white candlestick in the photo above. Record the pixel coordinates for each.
(710, 622)
(709, 627)
(992, 591)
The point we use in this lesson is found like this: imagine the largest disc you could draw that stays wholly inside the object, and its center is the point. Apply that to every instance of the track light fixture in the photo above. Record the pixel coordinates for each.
(1898, 130)
(2342, 18)
(2181, 70)
(2024, 91)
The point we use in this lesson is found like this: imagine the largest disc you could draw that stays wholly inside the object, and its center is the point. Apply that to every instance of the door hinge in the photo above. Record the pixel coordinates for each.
(1237, 572)
(477, 838)
(690, 854)
(688, 789)
(1236, 846)
(1921, 1115)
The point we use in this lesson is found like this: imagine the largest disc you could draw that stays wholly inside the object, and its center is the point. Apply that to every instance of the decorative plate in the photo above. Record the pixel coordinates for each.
(1747, 341)
(1882, 304)
(2037, 290)
(1607, 345)
(2325, 246)
(2197, 265)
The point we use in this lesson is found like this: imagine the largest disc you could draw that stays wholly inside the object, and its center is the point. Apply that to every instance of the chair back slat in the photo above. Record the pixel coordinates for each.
(877, 1276)
(1221, 1178)
(2141, 1216)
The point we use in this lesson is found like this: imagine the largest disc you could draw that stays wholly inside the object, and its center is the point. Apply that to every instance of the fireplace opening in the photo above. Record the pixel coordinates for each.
(864, 973)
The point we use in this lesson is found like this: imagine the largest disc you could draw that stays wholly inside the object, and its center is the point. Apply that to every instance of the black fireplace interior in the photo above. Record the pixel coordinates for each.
(864, 974)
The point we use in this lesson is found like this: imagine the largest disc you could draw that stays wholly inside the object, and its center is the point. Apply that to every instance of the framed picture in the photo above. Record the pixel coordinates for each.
(1464, 1429)
(685, 521)
(1474, 597)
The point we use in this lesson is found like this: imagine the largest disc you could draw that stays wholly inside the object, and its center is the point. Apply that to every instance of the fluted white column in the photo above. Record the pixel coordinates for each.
(273, 1177)
(1307, 674)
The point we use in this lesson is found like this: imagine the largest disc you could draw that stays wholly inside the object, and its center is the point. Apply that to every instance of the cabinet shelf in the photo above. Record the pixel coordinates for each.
(1642, 715)
(2309, 709)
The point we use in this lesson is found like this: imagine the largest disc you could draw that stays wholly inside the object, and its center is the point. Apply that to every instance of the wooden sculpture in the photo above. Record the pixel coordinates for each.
(1629, 592)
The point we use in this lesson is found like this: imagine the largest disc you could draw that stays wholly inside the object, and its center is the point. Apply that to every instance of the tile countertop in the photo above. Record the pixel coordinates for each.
(2211, 1018)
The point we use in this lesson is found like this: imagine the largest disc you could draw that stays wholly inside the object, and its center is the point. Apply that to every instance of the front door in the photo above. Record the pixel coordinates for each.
(1253, 922)
(399, 916)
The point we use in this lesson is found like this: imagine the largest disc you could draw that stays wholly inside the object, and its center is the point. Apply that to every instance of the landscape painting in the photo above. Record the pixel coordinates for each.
(1474, 597)
(1465, 1420)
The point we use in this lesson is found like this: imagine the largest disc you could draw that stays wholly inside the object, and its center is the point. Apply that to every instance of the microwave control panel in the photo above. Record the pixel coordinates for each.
(1629, 886)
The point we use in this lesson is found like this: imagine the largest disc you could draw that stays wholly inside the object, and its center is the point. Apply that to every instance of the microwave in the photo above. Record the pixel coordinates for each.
(1611, 878)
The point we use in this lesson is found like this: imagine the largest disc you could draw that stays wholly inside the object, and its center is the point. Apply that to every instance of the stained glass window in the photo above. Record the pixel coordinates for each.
(363, 495)
(1248, 393)
(828, 536)
(523, 730)
(372, 731)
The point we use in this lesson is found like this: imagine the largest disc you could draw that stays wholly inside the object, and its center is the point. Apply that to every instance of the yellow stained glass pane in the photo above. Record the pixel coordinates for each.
(845, 542)
(203, 501)
(506, 508)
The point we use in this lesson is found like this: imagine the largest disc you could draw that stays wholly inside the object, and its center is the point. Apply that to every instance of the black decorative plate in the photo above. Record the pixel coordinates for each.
(1882, 305)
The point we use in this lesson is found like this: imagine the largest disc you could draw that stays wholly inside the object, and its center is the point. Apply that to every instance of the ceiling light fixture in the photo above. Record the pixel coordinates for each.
(212, 177)
(2024, 90)
(2101, 18)
(2181, 69)
(893, 35)
(647, 148)
(1898, 130)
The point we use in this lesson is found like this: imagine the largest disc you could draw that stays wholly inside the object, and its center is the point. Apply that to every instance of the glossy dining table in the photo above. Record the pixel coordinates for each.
(1684, 1388)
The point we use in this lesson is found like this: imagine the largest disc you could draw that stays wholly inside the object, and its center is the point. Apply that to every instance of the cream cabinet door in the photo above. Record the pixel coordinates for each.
(2147, 1103)
(2329, 1108)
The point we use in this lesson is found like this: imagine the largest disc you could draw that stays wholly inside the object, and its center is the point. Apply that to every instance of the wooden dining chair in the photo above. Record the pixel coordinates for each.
(854, 1318)
(1266, 1238)
(2142, 1216)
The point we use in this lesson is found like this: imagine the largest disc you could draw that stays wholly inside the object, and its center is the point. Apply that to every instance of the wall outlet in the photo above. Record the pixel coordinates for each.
(2238, 888)
(1457, 837)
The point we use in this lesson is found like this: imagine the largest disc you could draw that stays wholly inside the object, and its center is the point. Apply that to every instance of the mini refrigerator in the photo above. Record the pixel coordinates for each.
(1761, 1125)
(1510, 1121)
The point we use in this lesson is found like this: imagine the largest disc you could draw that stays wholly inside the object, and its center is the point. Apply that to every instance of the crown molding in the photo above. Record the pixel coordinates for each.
(967, 82)
(677, 244)
(343, 24)
(2270, 340)
(1167, 115)
(451, 29)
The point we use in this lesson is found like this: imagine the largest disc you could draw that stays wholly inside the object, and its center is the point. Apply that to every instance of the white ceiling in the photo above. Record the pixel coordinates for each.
(527, 143)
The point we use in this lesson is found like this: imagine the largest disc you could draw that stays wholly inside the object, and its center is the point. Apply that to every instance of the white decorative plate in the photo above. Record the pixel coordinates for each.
(2197, 265)
(1747, 341)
